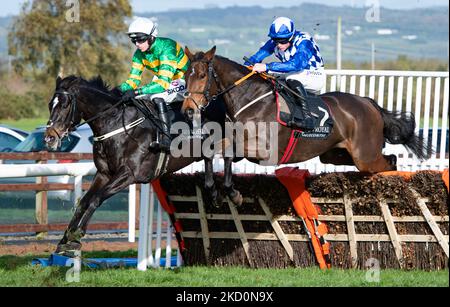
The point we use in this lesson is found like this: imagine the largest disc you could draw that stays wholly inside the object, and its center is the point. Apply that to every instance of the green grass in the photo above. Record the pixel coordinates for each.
(17, 271)
(27, 124)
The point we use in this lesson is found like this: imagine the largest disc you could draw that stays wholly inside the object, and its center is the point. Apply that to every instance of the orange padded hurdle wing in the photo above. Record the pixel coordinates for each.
(445, 178)
(294, 181)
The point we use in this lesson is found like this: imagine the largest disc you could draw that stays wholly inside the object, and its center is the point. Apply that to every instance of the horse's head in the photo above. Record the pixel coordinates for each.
(63, 111)
(200, 82)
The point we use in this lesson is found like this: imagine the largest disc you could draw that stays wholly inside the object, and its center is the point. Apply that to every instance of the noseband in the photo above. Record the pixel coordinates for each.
(206, 92)
(73, 107)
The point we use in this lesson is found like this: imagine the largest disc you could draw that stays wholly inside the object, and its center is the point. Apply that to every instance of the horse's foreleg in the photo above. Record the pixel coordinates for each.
(89, 203)
(337, 156)
(392, 160)
(210, 186)
(71, 238)
(115, 185)
(234, 195)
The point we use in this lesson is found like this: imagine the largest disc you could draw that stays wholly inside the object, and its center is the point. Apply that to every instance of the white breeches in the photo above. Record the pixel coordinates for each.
(175, 91)
(312, 80)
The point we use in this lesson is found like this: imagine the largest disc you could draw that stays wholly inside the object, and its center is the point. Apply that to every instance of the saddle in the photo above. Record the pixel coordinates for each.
(289, 110)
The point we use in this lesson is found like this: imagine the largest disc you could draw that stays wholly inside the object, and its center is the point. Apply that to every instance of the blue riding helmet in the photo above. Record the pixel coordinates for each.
(282, 28)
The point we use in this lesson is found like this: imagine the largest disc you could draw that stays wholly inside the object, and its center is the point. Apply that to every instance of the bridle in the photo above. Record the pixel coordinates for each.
(206, 92)
(73, 107)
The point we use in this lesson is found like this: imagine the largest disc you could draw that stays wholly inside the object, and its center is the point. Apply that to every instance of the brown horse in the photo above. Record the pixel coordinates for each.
(360, 129)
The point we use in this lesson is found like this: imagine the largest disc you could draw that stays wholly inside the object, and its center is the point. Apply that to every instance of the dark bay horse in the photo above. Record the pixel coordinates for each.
(121, 160)
(360, 130)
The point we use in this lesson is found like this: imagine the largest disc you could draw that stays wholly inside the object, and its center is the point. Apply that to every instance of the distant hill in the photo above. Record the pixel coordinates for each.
(239, 31)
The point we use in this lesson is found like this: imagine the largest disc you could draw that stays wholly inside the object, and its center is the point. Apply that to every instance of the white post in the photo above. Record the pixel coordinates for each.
(158, 237)
(333, 82)
(390, 103)
(381, 91)
(149, 236)
(409, 92)
(78, 189)
(418, 107)
(399, 94)
(132, 213)
(444, 128)
(352, 85)
(437, 100)
(168, 243)
(426, 115)
(362, 86)
(179, 258)
(143, 228)
(372, 80)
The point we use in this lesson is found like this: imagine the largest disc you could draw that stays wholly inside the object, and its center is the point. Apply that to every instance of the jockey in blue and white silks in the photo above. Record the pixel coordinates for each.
(298, 52)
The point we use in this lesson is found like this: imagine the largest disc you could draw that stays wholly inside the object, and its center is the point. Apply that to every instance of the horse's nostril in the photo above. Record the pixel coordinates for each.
(189, 113)
(49, 139)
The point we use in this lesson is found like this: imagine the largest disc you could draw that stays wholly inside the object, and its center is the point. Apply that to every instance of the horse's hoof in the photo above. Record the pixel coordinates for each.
(237, 199)
(217, 202)
(68, 249)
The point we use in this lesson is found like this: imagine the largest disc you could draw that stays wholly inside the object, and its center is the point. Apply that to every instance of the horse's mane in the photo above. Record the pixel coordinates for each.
(99, 83)
(96, 83)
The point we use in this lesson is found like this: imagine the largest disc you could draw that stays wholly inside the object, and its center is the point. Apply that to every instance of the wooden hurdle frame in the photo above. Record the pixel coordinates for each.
(285, 239)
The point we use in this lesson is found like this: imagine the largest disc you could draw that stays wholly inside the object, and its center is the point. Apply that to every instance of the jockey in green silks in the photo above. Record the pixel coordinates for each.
(166, 58)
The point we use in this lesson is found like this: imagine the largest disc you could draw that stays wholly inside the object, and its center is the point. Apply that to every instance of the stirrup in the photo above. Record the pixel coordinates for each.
(160, 145)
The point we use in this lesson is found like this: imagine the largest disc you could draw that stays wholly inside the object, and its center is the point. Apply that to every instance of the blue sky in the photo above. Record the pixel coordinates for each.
(12, 7)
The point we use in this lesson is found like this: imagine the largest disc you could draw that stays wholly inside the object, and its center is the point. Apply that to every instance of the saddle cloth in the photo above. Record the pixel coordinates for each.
(288, 110)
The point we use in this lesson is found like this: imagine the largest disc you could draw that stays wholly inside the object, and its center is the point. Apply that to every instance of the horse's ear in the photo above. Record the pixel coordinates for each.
(188, 53)
(210, 54)
(58, 81)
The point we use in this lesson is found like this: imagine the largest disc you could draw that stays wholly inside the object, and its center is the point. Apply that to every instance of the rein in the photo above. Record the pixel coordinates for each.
(124, 128)
(102, 112)
(206, 93)
(73, 107)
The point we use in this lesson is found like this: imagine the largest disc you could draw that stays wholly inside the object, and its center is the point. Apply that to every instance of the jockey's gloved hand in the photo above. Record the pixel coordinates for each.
(129, 95)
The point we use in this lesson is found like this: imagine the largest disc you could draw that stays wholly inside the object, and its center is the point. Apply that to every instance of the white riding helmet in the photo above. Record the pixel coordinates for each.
(142, 26)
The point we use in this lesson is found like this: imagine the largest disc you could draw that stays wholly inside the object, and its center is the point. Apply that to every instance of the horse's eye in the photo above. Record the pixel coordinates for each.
(202, 76)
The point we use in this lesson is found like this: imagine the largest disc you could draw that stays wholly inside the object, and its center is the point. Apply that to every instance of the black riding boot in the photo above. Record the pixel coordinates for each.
(307, 121)
(163, 138)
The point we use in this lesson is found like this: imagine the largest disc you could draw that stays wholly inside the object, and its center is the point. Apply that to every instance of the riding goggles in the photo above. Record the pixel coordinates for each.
(281, 40)
(139, 39)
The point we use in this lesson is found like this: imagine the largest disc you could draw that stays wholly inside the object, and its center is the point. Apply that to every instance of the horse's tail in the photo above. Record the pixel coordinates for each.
(399, 129)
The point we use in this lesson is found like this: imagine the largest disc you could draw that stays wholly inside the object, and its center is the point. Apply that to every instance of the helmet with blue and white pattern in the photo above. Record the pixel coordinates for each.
(282, 28)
